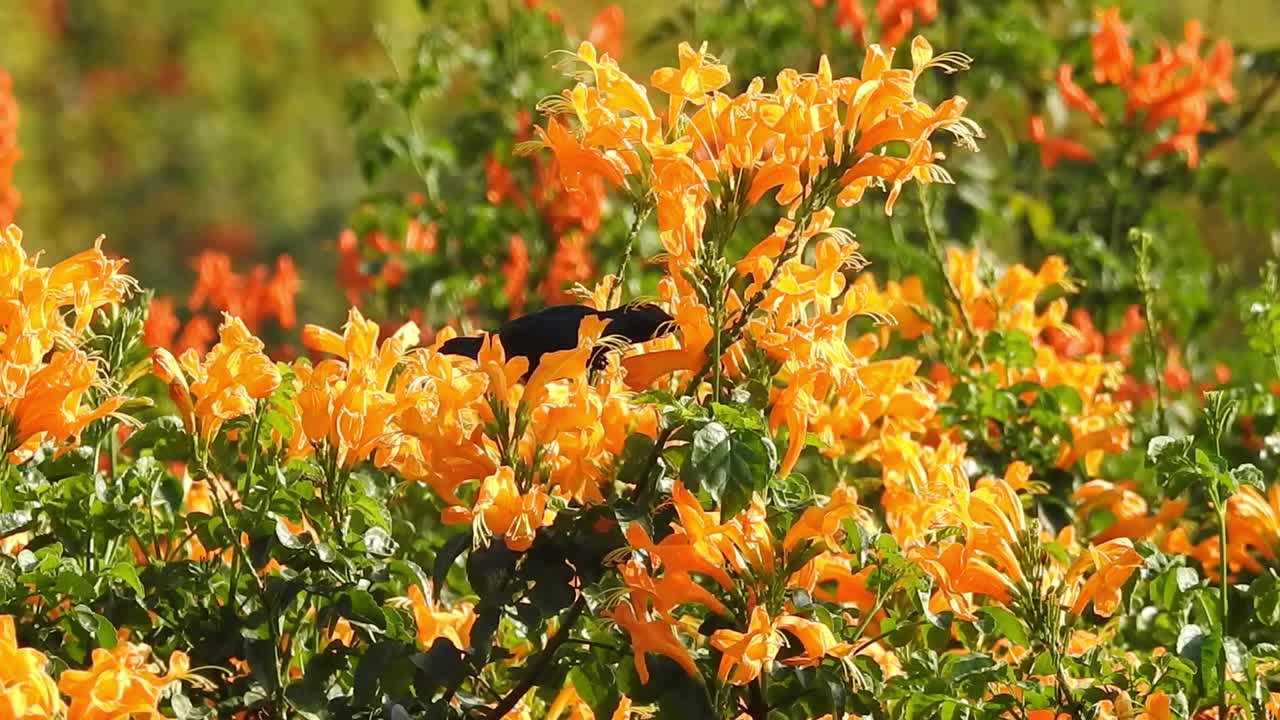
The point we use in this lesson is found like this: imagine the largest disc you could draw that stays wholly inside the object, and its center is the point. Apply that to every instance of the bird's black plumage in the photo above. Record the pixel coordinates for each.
(555, 328)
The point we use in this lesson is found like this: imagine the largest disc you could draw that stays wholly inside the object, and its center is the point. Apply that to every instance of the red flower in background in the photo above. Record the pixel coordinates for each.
(261, 294)
(570, 264)
(849, 16)
(1053, 149)
(898, 17)
(10, 199)
(351, 274)
(606, 31)
(1112, 56)
(162, 324)
(1169, 96)
(1075, 96)
(516, 272)
(501, 184)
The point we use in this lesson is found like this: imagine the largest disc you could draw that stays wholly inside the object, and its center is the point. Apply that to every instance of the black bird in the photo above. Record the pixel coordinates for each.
(555, 328)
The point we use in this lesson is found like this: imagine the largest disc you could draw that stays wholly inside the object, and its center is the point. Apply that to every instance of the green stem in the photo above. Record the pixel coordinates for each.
(1223, 610)
(940, 257)
(151, 516)
(251, 463)
(730, 335)
(642, 210)
(1142, 249)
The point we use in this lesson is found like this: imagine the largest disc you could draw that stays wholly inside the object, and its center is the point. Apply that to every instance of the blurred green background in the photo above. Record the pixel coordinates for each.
(173, 126)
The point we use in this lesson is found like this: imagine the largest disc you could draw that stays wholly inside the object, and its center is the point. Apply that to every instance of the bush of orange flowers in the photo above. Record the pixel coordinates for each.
(935, 491)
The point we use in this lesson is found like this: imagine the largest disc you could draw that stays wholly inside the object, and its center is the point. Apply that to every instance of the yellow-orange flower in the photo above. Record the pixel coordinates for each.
(746, 654)
(26, 690)
(501, 510)
(1112, 562)
(122, 682)
(433, 621)
(344, 405)
(45, 378)
(223, 385)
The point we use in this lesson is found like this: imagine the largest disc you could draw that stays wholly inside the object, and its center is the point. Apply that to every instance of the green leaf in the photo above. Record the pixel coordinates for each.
(971, 665)
(103, 632)
(446, 557)
(1250, 475)
(164, 437)
(128, 574)
(729, 466)
(1007, 625)
(1210, 650)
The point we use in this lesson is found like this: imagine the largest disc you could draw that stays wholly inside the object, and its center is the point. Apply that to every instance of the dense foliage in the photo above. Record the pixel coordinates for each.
(1008, 452)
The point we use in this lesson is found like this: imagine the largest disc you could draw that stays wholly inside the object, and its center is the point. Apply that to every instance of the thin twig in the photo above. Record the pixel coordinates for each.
(940, 258)
(642, 211)
(543, 661)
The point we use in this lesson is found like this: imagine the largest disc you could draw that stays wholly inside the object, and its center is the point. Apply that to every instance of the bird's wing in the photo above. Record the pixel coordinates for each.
(548, 330)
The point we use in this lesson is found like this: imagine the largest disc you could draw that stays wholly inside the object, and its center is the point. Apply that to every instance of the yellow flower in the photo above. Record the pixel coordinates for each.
(26, 690)
(751, 652)
(1112, 562)
(345, 405)
(432, 621)
(697, 77)
(226, 384)
(122, 682)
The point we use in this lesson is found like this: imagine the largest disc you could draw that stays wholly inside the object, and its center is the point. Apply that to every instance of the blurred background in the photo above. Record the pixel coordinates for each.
(178, 127)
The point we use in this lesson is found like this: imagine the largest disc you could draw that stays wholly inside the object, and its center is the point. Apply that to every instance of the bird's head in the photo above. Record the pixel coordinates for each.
(639, 322)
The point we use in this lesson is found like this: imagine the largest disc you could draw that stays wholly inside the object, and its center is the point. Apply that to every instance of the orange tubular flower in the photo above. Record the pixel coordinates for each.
(1128, 508)
(44, 314)
(1053, 149)
(577, 162)
(1253, 526)
(1112, 562)
(226, 384)
(697, 77)
(123, 682)
(52, 409)
(26, 690)
(501, 510)
(1075, 97)
(648, 635)
(825, 522)
(751, 652)
(344, 405)
(816, 639)
(432, 621)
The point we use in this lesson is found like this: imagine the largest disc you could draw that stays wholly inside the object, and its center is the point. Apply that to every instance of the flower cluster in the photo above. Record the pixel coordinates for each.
(895, 18)
(259, 295)
(122, 682)
(223, 385)
(47, 383)
(1167, 98)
